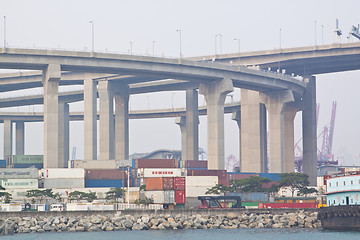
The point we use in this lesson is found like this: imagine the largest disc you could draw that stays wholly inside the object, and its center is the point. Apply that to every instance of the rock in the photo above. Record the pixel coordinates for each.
(128, 224)
(80, 229)
(47, 227)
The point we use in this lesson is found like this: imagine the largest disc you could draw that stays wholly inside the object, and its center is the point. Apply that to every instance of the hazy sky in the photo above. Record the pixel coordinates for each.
(66, 24)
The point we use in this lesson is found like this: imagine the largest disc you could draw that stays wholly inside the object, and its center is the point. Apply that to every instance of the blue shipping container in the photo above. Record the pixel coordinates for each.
(118, 183)
(196, 169)
(271, 176)
(241, 173)
(2, 163)
(28, 165)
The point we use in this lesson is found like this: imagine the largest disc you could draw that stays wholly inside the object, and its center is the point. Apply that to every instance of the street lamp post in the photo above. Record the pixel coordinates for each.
(92, 35)
(153, 45)
(215, 45)
(238, 40)
(220, 35)
(279, 49)
(322, 34)
(4, 31)
(131, 43)
(179, 30)
(315, 32)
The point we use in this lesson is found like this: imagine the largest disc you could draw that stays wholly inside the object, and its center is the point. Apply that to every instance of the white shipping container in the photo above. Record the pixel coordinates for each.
(19, 173)
(99, 164)
(169, 196)
(320, 181)
(10, 207)
(63, 173)
(64, 183)
(201, 181)
(19, 183)
(160, 172)
(197, 191)
(78, 206)
(157, 196)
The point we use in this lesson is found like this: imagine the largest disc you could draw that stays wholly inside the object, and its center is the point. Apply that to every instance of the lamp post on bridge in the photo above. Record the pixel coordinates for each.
(4, 32)
(179, 30)
(153, 48)
(92, 35)
(238, 40)
(131, 44)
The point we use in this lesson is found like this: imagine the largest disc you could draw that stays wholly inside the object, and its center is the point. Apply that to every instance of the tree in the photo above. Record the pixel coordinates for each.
(295, 181)
(6, 197)
(305, 191)
(217, 189)
(252, 184)
(77, 195)
(114, 194)
(145, 201)
(40, 194)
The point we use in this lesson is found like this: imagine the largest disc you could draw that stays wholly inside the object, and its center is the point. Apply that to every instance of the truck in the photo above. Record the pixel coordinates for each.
(220, 202)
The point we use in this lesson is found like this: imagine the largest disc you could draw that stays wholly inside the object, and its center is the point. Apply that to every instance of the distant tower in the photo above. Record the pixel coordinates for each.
(338, 32)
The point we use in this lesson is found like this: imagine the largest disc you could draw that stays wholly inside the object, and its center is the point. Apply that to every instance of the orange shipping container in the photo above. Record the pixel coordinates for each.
(159, 183)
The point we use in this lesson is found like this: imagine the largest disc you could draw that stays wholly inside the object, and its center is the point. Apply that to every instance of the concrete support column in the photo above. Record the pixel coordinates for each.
(20, 137)
(215, 93)
(90, 117)
(181, 121)
(236, 116)
(106, 121)
(253, 153)
(276, 106)
(192, 122)
(63, 134)
(7, 138)
(309, 130)
(51, 78)
(122, 123)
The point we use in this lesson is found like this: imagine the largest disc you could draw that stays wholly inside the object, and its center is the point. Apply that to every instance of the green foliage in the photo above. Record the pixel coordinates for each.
(305, 191)
(145, 201)
(217, 189)
(77, 195)
(39, 194)
(114, 194)
(252, 184)
(295, 181)
(7, 197)
(142, 187)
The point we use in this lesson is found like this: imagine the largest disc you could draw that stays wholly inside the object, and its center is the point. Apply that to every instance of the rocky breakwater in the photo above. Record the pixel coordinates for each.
(116, 222)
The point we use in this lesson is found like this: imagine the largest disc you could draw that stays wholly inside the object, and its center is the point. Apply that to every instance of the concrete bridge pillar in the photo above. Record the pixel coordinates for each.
(51, 78)
(90, 117)
(192, 122)
(181, 121)
(236, 116)
(122, 123)
(106, 121)
(309, 130)
(63, 134)
(7, 138)
(280, 130)
(20, 136)
(215, 93)
(253, 152)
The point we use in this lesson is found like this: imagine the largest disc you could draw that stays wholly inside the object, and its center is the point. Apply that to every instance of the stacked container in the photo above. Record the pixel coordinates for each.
(19, 178)
(154, 163)
(26, 161)
(221, 174)
(196, 165)
(105, 178)
(63, 177)
(198, 185)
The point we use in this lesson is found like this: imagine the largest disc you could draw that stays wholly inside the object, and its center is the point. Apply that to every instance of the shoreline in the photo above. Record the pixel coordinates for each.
(158, 220)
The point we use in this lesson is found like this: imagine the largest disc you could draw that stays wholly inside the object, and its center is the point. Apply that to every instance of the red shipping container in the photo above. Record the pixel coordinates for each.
(225, 182)
(222, 174)
(155, 163)
(180, 197)
(287, 205)
(105, 174)
(179, 183)
(159, 183)
(195, 164)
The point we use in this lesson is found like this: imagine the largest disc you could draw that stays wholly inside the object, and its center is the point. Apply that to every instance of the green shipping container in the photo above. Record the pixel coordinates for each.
(23, 159)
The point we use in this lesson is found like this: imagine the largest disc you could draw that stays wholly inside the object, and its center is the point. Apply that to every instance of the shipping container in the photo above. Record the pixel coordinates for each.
(19, 183)
(134, 195)
(78, 206)
(197, 191)
(99, 164)
(220, 173)
(196, 169)
(159, 172)
(62, 173)
(201, 181)
(160, 183)
(63, 183)
(105, 174)
(25, 159)
(155, 163)
(179, 183)
(169, 196)
(250, 196)
(235, 176)
(28, 165)
(271, 176)
(225, 182)
(196, 164)
(105, 183)
(10, 207)
(156, 196)
(287, 205)
(180, 197)
(19, 173)
(2, 163)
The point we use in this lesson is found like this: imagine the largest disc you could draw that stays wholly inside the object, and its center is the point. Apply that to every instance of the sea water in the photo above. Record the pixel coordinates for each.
(201, 234)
